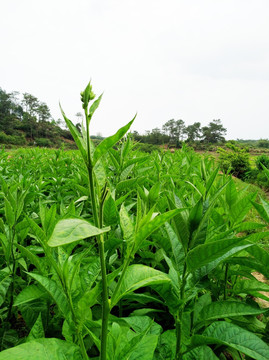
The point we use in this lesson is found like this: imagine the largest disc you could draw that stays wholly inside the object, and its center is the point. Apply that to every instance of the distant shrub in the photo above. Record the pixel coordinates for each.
(43, 142)
(148, 148)
(12, 139)
(234, 160)
(263, 143)
(264, 160)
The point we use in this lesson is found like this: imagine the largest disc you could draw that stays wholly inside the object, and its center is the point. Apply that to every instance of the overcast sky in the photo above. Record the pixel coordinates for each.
(195, 60)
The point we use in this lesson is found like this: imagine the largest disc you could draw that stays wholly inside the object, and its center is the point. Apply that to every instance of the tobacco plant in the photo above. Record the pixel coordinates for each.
(127, 255)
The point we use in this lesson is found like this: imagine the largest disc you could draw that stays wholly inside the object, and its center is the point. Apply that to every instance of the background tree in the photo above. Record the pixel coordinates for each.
(43, 112)
(193, 132)
(214, 132)
(174, 129)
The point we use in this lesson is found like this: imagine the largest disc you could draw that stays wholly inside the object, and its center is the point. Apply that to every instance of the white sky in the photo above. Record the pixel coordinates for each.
(195, 60)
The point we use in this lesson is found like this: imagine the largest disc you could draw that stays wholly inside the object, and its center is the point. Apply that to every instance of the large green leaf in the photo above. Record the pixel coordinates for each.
(231, 193)
(204, 254)
(222, 309)
(126, 224)
(43, 349)
(67, 231)
(35, 260)
(238, 338)
(247, 286)
(81, 144)
(54, 291)
(28, 294)
(37, 331)
(263, 209)
(110, 141)
(138, 276)
(5, 281)
(153, 225)
(241, 208)
(202, 353)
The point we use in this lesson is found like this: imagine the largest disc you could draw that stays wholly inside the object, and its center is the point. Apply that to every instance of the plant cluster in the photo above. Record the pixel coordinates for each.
(234, 160)
(111, 253)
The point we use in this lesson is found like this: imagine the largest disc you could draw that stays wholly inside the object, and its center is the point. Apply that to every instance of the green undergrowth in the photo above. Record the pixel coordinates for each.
(112, 253)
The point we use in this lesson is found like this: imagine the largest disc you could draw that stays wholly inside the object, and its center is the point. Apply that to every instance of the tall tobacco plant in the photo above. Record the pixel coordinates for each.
(135, 276)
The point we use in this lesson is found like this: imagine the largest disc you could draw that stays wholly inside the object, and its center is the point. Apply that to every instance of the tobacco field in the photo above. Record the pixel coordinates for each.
(111, 253)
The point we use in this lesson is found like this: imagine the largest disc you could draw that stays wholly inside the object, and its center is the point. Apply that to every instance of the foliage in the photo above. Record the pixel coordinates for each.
(27, 121)
(235, 160)
(262, 160)
(112, 253)
(214, 132)
(263, 143)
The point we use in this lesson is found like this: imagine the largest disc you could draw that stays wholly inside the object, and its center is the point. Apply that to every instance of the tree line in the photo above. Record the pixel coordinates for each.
(26, 120)
(173, 132)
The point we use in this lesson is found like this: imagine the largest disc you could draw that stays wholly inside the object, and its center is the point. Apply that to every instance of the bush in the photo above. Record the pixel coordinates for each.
(12, 139)
(263, 143)
(43, 142)
(264, 160)
(234, 160)
(148, 148)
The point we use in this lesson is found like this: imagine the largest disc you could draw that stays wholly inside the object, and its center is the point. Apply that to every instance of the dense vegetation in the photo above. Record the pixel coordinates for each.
(115, 254)
(24, 120)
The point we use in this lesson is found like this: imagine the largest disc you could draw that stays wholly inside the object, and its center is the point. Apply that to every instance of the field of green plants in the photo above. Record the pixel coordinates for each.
(111, 253)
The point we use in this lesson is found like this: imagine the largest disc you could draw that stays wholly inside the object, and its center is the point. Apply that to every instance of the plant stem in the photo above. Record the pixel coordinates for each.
(225, 281)
(13, 275)
(100, 239)
(105, 305)
(180, 314)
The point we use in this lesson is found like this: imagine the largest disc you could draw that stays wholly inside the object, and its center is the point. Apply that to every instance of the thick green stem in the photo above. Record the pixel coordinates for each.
(12, 275)
(105, 304)
(180, 314)
(100, 240)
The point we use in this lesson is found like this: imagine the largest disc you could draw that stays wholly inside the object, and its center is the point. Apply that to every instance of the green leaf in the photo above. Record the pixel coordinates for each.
(202, 353)
(246, 226)
(223, 309)
(9, 213)
(241, 208)
(138, 276)
(219, 250)
(35, 260)
(43, 349)
(54, 291)
(29, 293)
(263, 209)
(176, 246)
(211, 179)
(126, 223)
(231, 193)
(153, 225)
(5, 281)
(95, 105)
(67, 231)
(247, 286)
(37, 330)
(110, 141)
(167, 346)
(81, 144)
(111, 214)
(141, 347)
(238, 338)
